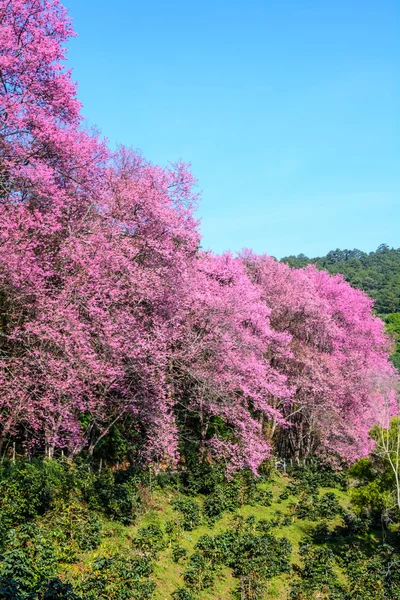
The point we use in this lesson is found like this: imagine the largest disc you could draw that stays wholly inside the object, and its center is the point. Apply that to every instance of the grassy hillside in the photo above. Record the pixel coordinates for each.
(169, 575)
(68, 534)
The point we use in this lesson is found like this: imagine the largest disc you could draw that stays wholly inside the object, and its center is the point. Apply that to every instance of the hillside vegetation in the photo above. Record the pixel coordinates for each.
(69, 532)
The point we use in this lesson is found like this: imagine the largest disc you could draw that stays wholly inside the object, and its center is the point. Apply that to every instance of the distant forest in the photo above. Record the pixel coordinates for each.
(377, 273)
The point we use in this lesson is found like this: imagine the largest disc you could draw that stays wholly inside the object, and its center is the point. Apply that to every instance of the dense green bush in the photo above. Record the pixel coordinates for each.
(183, 594)
(374, 576)
(73, 528)
(54, 589)
(150, 540)
(313, 507)
(114, 492)
(173, 530)
(217, 503)
(178, 552)
(118, 577)
(190, 512)
(257, 558)
(200, 572)
(28, 559)
(253, 556)
(29, 489)
(319, 473)
(317, 578)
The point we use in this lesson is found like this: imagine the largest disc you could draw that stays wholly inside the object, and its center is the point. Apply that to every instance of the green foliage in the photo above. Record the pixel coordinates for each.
(253, 555)
(118, 577)
(73, 528)
(28, 560)
(263, 497)
(257, 558)
(54, 589)
(376, 576)
(200, 572)
(317, 578)
(374, 479)
(173, 530)
(30, 489)
(190, 513)
(27, 490)
(328, 506)
(355, 525)
(340, 562)
(183, 594)
(114, 492)
(218, 502)
(319, 473)
(313, 507)
(150, 540)
(392, 321)
(178, 552)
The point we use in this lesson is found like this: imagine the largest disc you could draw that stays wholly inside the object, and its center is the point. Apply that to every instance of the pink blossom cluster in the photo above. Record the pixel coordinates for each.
(110, 314)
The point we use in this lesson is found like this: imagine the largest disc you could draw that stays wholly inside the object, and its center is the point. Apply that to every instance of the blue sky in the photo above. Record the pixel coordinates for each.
(288, 111)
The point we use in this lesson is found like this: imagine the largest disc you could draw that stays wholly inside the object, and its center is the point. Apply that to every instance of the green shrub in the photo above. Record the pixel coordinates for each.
(28, 560)
(150, 539)
(218, 502)
(200, 572)
(73, 528)
(190, 512)
(118, 577)
(178, 552)
(173, 530)
(116, 494)
(263, 497)
(182, 594)
(317, 578)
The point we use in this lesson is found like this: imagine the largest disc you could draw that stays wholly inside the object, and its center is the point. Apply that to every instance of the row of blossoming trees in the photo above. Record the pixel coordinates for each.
(110, 314)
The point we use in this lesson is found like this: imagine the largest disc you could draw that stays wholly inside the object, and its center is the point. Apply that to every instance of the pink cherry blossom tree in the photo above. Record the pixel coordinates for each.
(339, 352)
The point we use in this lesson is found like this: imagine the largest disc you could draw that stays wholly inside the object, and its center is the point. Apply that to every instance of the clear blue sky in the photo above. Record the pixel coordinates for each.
(288, 110)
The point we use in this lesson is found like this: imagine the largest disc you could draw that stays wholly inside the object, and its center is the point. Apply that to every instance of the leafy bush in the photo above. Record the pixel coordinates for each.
(118, 577)
(190, 512)
(355, 525)
(264, 526)
(28, 567)
(376, 576)
(217, 503)
(313, 507)
(182, 594)
(263, 497)
(116, 494)
(54, 589)
(257, 558)
(328, 506)
(320, 533)
(253, 557)
(319, 473)
(150, 539)
(317, 578)
(178, 552)
(73, 528)
(25, 492)
(200, 572)
(173, 530)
